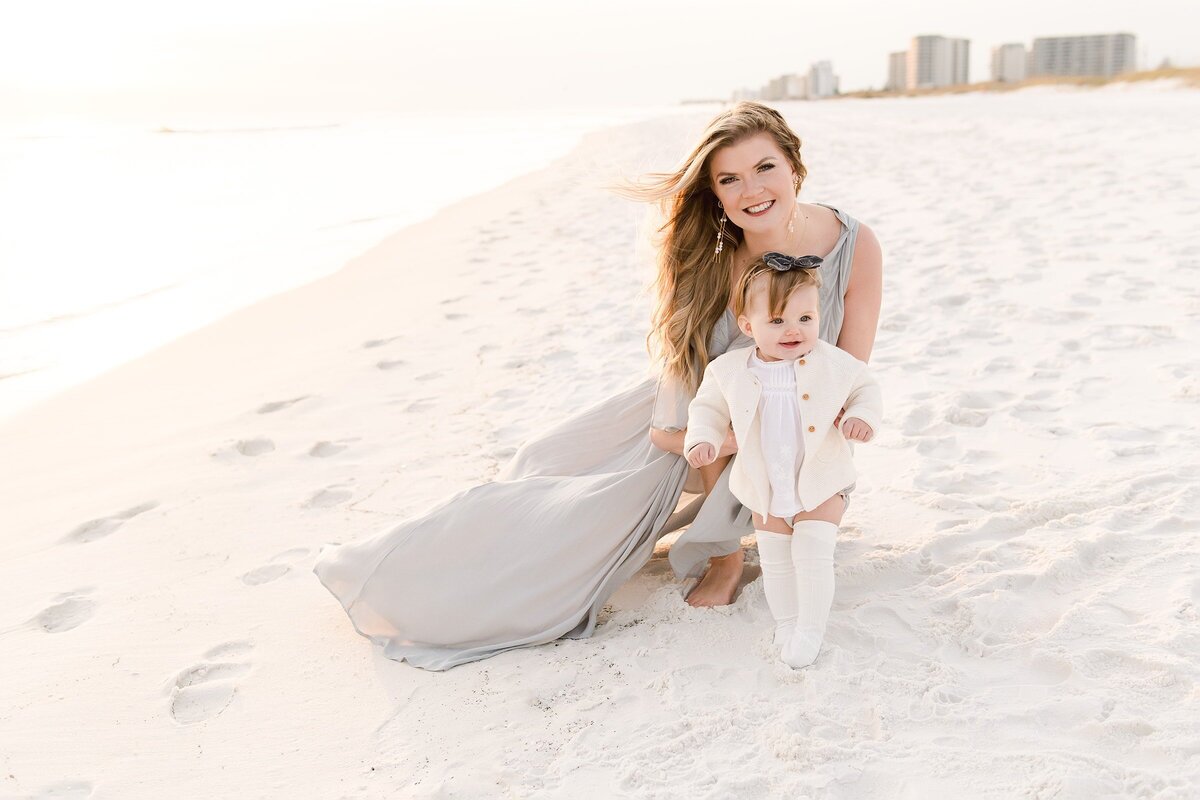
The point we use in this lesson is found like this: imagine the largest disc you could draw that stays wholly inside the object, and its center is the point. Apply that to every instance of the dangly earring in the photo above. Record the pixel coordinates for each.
(721, 232)
(795, 205)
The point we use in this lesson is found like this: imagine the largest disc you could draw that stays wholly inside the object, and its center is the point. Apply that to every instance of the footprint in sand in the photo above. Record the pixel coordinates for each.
(61, 790)
(95, 529)
(917, 421)
(278, 566)
(967, 417)
(328, 497)
(385, 365)
(939, 447)
(254, 447)
(369, 343)
(326, 449)
(204, 690)
(997, 365)
(417, 406)
(279, 405)
(952, 301)
(895, 322)
(559, 356)
(265, 574)
(250, 448)
(69, 611)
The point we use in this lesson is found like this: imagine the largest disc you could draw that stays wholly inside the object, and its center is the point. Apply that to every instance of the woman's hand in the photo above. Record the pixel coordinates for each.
(729, 446)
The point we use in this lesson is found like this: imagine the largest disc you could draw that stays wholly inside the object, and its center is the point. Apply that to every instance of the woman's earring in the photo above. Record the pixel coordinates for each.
(721, 234)
(796, 205)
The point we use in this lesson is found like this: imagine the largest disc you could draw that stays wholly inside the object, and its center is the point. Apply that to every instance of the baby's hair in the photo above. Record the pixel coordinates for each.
(781, 286)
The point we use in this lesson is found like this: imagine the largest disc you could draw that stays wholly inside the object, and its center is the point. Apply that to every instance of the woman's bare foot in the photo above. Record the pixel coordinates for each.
(717, 586)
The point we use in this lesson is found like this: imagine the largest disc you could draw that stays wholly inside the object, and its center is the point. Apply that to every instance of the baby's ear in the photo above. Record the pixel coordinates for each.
(744, 325)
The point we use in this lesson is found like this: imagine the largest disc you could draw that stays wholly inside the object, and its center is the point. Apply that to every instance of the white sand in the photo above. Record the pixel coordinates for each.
(1018, 599)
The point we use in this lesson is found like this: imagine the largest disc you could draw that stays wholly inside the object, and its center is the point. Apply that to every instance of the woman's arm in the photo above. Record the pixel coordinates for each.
(864, 296)
(672, 442)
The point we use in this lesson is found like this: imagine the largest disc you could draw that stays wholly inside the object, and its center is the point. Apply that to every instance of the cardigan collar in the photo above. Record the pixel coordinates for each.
(814, 352)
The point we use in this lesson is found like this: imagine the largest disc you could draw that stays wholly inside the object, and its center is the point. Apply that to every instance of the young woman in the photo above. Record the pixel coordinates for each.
(534, 555)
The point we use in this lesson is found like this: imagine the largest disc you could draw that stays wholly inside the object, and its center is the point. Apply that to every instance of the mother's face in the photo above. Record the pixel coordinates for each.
(754, 182)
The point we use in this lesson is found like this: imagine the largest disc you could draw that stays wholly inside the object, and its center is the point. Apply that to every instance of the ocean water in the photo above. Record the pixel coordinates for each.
(118, 236)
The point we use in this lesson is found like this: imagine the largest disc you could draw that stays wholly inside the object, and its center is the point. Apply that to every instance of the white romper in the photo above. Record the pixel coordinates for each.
(779, 424)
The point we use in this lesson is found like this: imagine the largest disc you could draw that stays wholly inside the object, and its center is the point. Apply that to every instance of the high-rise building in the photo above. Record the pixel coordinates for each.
(797, 86)
(818, 82)
(1104, 55)
(821, 80)
(897, 71)
(1008, 63)
(776, 89)
(937, 61)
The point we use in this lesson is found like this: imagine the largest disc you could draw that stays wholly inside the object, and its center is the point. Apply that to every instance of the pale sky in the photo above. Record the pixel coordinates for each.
(334, 55)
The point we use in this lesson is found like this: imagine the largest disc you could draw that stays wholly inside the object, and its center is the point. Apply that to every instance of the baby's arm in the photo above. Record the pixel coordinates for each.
(864, 408)
(708, 422)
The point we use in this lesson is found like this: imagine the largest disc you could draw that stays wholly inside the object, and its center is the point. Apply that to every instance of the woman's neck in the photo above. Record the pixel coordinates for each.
(776, 240)
(782, 239)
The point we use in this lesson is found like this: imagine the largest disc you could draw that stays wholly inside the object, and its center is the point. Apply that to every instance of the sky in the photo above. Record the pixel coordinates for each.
(425, 55)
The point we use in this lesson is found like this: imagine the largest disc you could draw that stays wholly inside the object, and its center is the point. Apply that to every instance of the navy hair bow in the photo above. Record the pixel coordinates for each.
(781, 262)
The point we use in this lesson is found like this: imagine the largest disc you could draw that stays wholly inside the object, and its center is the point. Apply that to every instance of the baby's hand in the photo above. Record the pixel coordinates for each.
(855, 428)
(702, 455)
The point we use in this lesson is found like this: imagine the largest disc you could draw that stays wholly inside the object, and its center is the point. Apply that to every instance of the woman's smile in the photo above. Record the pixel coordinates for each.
(760, 209)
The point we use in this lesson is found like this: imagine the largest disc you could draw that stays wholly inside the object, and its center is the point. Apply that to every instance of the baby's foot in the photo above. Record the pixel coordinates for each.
(783, 633)
(801, 648)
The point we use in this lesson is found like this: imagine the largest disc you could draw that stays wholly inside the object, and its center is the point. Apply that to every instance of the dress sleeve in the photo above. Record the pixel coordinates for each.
(671, 399)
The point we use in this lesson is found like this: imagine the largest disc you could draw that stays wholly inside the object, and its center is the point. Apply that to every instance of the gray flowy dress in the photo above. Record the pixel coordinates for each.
(533, 555)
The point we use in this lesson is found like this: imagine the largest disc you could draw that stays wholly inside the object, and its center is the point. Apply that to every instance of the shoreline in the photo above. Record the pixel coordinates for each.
(1188, 77)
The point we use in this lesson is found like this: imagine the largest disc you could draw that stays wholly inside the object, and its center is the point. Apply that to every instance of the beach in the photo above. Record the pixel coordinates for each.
(1017, 610)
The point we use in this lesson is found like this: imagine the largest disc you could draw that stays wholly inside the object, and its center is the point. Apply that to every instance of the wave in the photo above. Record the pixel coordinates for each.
(17, 374)
(272, 129)
(87, 312)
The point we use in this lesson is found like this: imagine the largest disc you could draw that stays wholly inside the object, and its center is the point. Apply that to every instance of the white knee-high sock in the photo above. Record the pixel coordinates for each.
(812, 543)
(779, 580)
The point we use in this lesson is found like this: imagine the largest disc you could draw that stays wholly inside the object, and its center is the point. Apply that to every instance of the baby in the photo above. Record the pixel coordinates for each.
(782, 397)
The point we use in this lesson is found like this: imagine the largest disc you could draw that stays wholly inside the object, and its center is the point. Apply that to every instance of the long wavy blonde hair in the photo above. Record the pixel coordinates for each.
(692, 284)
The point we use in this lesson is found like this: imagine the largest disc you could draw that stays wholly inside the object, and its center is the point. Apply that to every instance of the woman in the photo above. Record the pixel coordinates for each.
(534, 555)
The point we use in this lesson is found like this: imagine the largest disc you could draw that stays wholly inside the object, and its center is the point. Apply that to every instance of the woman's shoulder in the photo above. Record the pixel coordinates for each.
(836, 216)
(823, 214)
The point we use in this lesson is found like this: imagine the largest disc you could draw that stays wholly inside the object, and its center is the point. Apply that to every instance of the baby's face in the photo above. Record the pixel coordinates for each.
(788, 336)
